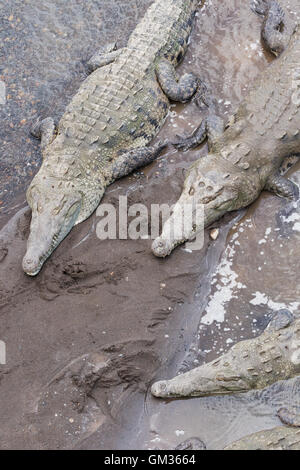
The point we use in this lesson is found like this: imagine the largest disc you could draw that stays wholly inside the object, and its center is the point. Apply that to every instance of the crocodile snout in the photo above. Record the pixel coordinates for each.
(159, 389)
(30, 265)
(161, 247)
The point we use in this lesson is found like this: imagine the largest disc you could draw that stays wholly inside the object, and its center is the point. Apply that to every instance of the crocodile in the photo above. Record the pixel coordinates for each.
(251, 364)
(105, 131)
(245, 155)
(278, 438)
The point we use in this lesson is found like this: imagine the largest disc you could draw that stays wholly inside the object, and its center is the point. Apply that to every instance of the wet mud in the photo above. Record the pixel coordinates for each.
(104, 319)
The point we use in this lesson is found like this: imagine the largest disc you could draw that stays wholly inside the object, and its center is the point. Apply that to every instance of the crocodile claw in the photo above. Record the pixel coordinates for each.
(161, 145)
(259, 6)
(182, 144)
(36, 128)
(290, 416)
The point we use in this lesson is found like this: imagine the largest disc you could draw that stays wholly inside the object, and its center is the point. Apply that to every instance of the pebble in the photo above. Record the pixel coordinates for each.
(214, 233)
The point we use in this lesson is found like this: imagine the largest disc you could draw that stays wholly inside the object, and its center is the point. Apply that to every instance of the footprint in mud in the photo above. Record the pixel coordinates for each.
(75, 277)
(158, 318)
(76, 270)
(90, 390)
(65, 413)
(3, 254)
(133, 364)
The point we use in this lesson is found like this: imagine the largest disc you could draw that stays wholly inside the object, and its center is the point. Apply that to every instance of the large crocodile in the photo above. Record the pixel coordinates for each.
(246, 156)
(279, 438)
(251, 364)
(104, 133)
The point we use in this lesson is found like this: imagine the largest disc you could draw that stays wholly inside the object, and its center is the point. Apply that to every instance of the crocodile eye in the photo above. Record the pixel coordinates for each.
(191, 191)
(56, 210)
(72, 209)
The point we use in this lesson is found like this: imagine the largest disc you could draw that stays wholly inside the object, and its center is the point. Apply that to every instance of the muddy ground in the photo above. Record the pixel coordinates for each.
(103, 319)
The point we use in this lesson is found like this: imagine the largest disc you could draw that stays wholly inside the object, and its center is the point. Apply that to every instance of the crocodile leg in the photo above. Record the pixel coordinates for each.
(136, 158)
(290, 415)
(194, 443)
(211, 127)
(106, 55)
(281, 186)
(176, 89)
(275, 32)
(197, 137)
(44, 130)
(282, 319)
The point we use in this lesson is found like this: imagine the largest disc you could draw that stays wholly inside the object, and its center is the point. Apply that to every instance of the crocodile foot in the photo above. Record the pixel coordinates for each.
(259, 6)
(282, 187)
(104, 56)
(194, 443)
(290, 416)
(182, 89)
(45, 130)
(276, 30)
(187, 143)
(211, 127)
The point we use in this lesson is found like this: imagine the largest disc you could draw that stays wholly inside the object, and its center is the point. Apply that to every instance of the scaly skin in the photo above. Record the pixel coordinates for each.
(246, 157)
(252, 364)
(279, 438)
(105, 130)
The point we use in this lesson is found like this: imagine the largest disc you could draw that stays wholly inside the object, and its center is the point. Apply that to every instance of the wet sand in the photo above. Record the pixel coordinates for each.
(103, 319)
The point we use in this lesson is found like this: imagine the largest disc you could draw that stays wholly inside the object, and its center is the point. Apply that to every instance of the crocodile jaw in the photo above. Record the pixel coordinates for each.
(52, 220)
(200, 382)
(208, 199)
(174, 231)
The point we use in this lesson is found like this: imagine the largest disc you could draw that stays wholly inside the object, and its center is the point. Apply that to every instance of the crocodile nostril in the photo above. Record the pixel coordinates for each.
(28, 262)
(29, 265)
(160, 248)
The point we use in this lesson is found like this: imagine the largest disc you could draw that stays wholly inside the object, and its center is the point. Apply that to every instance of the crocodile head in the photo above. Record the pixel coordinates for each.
(208, 195)
(55, 209)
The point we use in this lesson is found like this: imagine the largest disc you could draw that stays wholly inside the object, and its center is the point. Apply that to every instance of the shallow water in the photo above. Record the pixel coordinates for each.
(250, 271)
